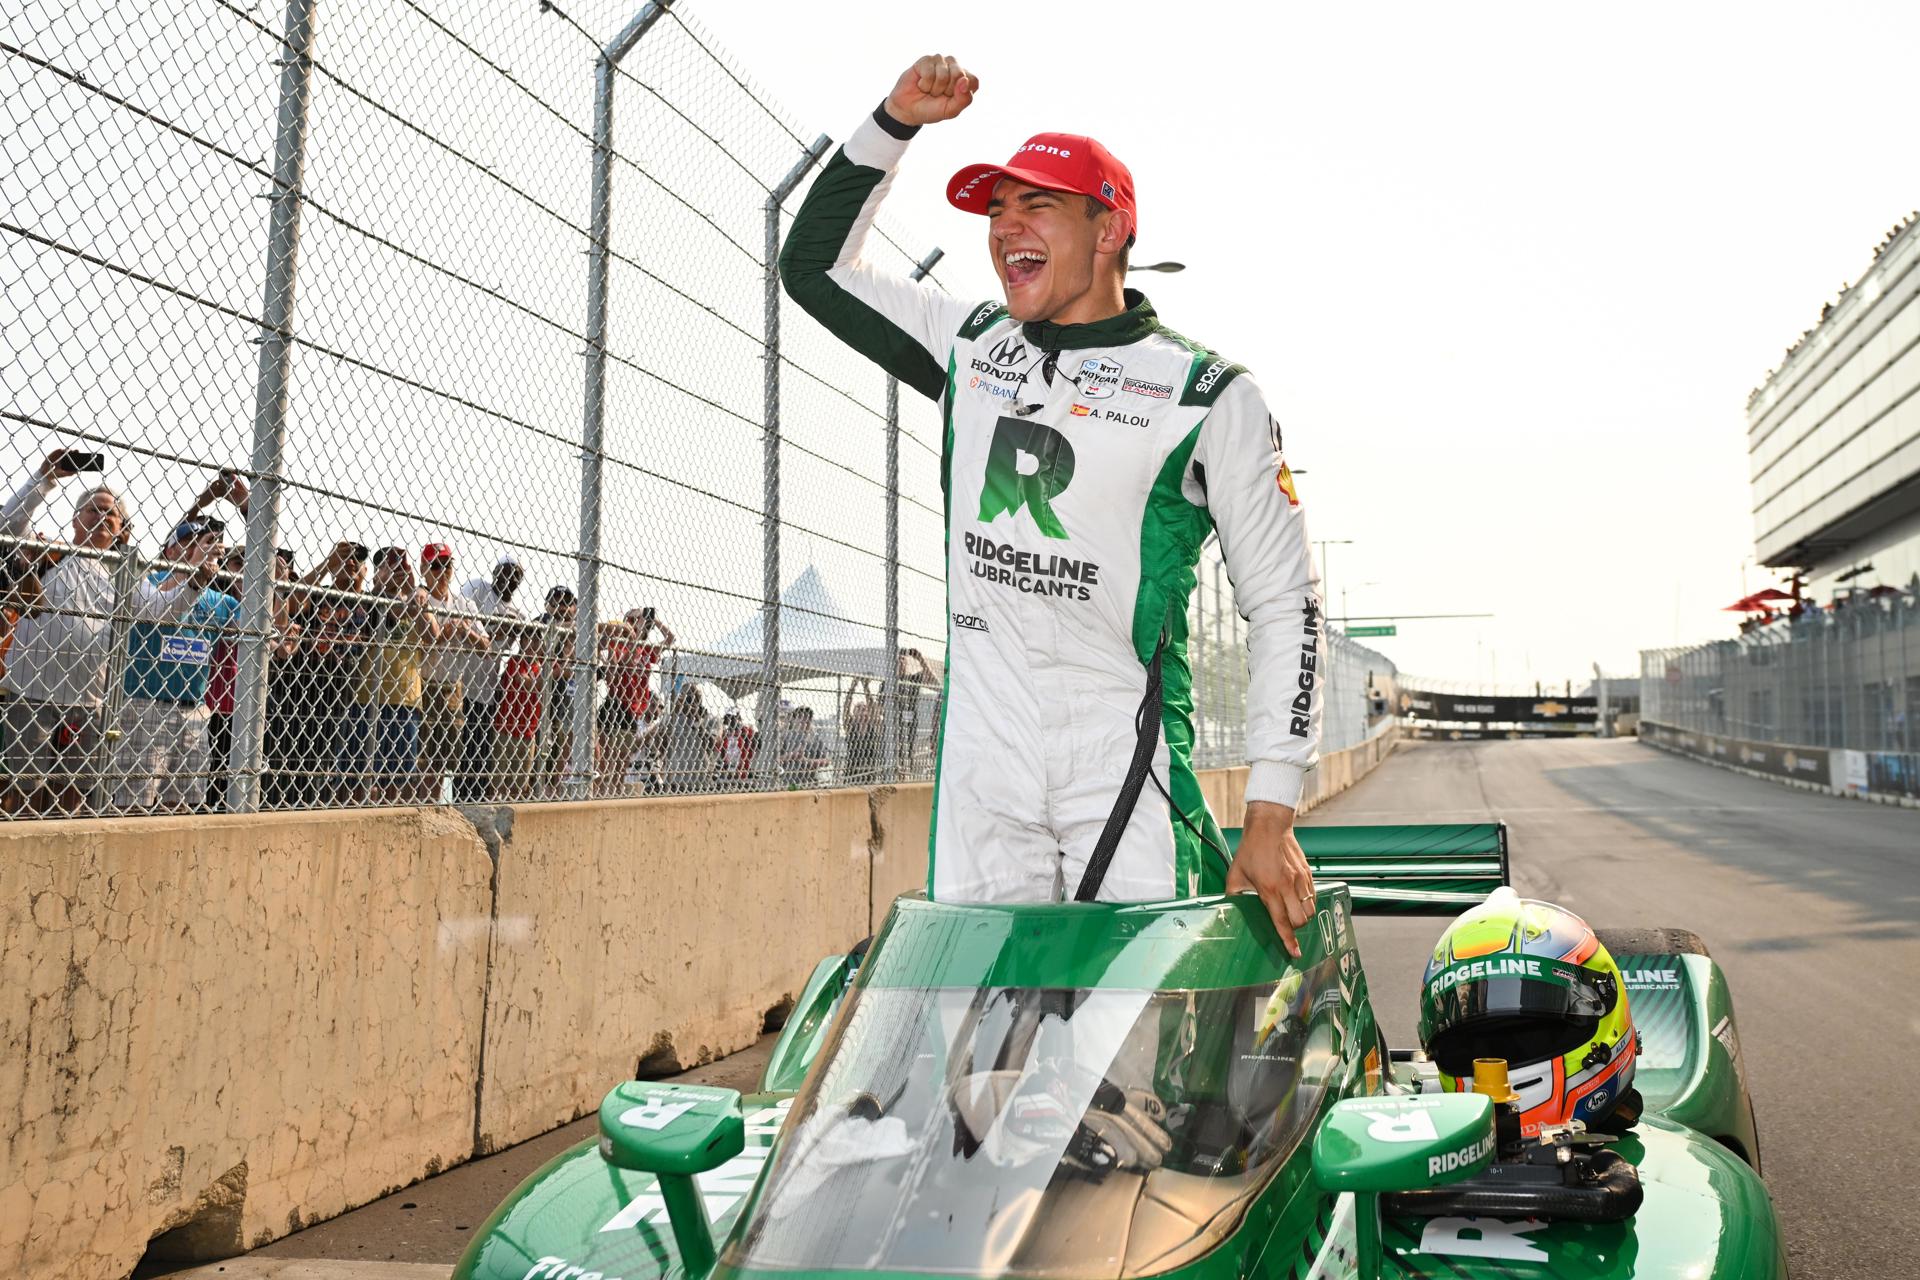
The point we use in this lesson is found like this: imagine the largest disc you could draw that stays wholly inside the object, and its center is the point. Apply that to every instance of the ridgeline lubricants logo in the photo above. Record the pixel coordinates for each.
(1029, 464)
(1047, 471)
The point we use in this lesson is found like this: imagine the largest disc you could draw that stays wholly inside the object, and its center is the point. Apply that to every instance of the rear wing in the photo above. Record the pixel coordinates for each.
(1422, 869)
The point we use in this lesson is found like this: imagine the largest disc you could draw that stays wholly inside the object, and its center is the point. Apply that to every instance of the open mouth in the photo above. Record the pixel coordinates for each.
(1023, 266)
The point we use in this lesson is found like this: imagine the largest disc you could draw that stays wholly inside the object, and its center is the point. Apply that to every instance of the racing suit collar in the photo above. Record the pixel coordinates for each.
(1131, 325)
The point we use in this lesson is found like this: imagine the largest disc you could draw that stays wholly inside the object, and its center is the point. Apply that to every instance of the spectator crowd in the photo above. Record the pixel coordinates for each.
(387, 683)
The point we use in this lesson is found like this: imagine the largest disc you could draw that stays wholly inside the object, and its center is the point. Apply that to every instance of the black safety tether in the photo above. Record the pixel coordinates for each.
(1146, 727)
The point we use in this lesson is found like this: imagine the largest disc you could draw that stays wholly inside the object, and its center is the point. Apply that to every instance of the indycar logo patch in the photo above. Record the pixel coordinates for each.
(1099, 377)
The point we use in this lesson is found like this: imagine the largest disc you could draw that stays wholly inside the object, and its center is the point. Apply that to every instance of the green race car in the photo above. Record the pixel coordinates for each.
(1093, 1091)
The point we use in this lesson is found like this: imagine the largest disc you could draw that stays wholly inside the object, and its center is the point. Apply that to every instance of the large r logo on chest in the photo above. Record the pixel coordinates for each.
(1029, 464)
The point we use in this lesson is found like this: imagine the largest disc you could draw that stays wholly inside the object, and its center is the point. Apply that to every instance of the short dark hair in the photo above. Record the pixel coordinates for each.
(1094, 210)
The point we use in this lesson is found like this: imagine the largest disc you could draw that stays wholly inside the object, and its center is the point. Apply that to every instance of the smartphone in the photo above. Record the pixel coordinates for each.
(86, 461)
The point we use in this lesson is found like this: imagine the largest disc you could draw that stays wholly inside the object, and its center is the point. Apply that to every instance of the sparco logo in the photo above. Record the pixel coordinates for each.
(980, 316)
(1029, 464)
(967, 622)
(1211, 376)
(1009, 351)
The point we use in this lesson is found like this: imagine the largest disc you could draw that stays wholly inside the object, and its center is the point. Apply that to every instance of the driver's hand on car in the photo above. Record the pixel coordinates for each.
(1271, 864)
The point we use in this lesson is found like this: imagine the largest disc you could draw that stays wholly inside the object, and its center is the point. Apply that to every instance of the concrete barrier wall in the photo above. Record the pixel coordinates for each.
(649, 936)
(217, 1030)
(227, 1026)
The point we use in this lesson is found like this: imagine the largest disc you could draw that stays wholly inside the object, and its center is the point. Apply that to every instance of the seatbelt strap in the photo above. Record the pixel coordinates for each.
(1146, 739)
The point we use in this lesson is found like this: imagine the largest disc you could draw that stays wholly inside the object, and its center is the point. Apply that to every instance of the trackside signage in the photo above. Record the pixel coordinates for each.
(1803, 764)
(1483, 709)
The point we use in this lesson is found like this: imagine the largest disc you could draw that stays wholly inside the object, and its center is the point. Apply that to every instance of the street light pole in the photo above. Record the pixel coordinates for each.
(1323, 544)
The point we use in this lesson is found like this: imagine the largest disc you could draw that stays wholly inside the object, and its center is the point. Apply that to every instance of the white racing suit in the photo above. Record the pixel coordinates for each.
(1083, 466)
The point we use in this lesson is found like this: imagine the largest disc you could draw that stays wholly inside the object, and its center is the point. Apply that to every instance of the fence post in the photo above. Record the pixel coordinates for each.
(270, 412)
(579, 776)
(766, 759)
(126, 569)
(890, 683)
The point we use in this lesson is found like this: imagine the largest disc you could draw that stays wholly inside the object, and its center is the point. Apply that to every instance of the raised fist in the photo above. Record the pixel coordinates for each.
(935, 88)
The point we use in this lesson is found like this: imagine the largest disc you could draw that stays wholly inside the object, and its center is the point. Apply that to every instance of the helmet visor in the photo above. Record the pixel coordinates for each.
(1522, 1008)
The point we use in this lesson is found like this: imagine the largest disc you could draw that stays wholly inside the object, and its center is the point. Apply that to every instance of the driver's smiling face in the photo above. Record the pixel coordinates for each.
(1042, 243)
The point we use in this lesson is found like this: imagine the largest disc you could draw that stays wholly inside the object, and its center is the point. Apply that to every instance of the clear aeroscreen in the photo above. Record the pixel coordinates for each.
(1040, 1132)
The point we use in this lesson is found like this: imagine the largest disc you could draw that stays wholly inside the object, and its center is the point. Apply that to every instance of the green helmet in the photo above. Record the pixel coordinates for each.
(1530, 982)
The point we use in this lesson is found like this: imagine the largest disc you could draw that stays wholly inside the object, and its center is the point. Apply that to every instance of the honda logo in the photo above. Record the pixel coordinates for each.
(1009, 351)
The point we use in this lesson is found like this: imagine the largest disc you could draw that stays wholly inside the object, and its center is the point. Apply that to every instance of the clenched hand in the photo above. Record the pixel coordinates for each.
(935, 88)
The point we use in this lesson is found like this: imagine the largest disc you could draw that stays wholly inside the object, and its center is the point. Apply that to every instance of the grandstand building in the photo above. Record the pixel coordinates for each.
(1833, 436)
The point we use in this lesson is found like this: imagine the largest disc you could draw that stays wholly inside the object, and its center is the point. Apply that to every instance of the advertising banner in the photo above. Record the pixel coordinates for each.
(1893, 773)
(1474, 708)
(1853, 772)
(1806, 764)
(1443, 734)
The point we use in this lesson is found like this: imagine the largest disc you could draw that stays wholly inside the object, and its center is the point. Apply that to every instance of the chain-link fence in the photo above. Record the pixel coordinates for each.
(1357, 684)
(1845, 676)
(401, 406)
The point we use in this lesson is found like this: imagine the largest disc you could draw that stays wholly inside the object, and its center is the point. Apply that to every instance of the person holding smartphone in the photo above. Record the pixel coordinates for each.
(56, 679)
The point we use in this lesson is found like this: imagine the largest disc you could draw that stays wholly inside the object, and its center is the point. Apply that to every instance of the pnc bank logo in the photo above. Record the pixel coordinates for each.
(1029, 464)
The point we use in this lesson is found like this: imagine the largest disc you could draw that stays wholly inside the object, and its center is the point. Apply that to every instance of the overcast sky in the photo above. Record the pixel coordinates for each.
(1507, 272)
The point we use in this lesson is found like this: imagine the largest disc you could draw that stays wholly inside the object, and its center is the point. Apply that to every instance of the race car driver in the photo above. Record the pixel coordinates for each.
(1089, 452)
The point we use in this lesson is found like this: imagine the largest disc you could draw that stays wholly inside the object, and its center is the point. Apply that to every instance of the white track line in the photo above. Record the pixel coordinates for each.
(314, 1269)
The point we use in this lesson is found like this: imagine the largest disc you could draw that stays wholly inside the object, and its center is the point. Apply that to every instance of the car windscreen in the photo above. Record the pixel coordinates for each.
(1041, 1132)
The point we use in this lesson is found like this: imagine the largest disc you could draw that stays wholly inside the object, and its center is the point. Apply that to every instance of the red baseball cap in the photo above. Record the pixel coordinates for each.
(435, 551)
(1057, 162)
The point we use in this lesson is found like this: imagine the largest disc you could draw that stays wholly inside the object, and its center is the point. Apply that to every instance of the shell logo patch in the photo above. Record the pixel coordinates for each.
(1284, 479)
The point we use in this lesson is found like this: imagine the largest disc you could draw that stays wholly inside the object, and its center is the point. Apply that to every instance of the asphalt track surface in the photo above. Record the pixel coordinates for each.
(1811, 904)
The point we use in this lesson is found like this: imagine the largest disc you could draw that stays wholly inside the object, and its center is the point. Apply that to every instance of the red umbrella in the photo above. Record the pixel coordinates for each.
(1758, 602)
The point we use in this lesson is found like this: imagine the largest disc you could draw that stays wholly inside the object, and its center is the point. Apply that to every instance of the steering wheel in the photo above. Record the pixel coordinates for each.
(1017, 1116)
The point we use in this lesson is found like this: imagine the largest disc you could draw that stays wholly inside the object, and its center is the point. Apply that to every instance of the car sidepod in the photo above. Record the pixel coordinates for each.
(1706, 1215)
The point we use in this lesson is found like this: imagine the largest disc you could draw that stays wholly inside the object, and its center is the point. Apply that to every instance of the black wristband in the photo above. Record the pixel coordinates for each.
(892, 126)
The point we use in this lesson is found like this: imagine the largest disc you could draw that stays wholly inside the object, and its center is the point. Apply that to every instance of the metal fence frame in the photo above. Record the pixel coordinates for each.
(1843, 676)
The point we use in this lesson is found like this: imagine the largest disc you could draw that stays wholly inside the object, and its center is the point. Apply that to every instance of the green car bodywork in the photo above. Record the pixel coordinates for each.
(928, 1110)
